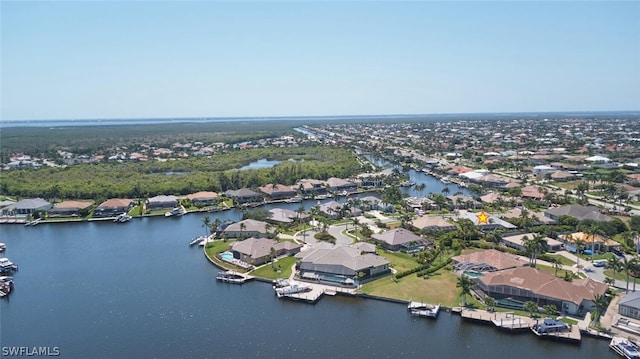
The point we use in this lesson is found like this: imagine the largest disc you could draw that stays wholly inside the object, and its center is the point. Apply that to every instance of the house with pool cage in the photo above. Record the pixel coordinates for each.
(340, 264)
(521, 284)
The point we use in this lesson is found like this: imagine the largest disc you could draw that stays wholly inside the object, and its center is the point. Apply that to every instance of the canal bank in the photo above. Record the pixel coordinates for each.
(103, 290)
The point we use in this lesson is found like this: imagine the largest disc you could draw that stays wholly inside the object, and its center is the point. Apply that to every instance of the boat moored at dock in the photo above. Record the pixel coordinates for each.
(176, 212)
(6, 266)
(550, 326)
(423, 309)
(292, 288)
(625, 348)
(231, 277)
(2, 247)
(122, 218)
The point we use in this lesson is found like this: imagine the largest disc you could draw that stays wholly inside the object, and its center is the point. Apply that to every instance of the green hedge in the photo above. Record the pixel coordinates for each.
(428, 271)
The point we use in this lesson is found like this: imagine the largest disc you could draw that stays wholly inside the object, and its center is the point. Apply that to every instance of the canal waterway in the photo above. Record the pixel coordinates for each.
(137, 290)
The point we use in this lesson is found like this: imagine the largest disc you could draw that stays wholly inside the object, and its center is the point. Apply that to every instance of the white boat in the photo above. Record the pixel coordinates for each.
(122, 218)
(624, 347)
(33, 223)
(292, 288)
(178, 211)
(197, 240)
(7, 266)
(550, 326)
(293, 200)
(231, 277)
(2, 247)
(423, 309)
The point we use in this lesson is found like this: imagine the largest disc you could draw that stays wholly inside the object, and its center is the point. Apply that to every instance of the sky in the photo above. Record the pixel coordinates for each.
(144, 59)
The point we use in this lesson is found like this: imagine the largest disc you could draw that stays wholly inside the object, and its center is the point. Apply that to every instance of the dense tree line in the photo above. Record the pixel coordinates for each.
(143, 179)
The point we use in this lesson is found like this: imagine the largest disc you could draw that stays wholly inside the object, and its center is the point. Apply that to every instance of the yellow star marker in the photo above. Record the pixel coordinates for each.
(483, 217)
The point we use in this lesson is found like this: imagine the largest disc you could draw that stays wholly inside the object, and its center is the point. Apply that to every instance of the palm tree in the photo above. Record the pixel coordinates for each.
(634, 268)
(215, 225)
(243, 226)
(626, 265)
(579, 243)
(206, 223)
(355, 222)
(615, 264)
(557, 264)
(592, 231)
(464, 283)
(420, 188)
(601, 303)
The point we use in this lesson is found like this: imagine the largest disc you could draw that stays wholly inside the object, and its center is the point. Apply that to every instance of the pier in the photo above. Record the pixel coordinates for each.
(502, 320)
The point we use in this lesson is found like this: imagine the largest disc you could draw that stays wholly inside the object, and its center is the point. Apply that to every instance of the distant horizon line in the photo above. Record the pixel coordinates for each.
(293, 117)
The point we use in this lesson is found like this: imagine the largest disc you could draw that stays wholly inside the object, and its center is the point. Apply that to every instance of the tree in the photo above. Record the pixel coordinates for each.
(550, 309)
(615, 264)
(356, 222)
(579, 244)
(489, 302)
(601, 304)
(592, 230)
(464, 283)
(557, 264)
(243, 226)
(206, 223)
(531, 307)
(420, 188)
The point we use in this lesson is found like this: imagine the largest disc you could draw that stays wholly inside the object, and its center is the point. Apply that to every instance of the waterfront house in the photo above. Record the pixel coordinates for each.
(341, 260)
(595, 242)
(331, 209)
(577, 211)
(543, 288)
(341, 185)
(277, 191)
(243, 195)
(113, 206)
(536, 218)
(69, 208)
(281, 215)
(489, 260)
(261, 250)
(434, 223)
(162, 202)
(517, 241)
(27, 206)
(369, 203)
(203, 198)
(310, 187)
(400, 239)
(247, 228)
(629, 305)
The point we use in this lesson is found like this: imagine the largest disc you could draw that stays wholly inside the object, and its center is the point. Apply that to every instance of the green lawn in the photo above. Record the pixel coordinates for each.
(268, 272)
(563, 260)
(440, 287)
(399, 261)
(215, 247)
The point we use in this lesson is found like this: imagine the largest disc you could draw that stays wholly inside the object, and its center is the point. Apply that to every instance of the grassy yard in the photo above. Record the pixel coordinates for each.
(268, 272)
(440, 287)
(215, 247)
(563, 260)
(399, 261)
(561, 272)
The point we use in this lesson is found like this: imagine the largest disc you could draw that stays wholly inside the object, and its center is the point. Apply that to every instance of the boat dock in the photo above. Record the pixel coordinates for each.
(502, 320)
(317, 291)
(423, 309)
(233, 277)
(571, 336)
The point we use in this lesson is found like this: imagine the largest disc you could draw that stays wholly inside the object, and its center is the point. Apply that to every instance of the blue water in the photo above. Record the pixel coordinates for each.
(137, 290)
(263, 163)
(227, 256)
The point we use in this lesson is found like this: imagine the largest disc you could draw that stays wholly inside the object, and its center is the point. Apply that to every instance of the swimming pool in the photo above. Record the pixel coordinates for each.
(472, 274)
(227, 256)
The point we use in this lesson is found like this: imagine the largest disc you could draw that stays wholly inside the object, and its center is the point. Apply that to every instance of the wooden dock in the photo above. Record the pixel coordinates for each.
(502, 320)
(572, 336)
